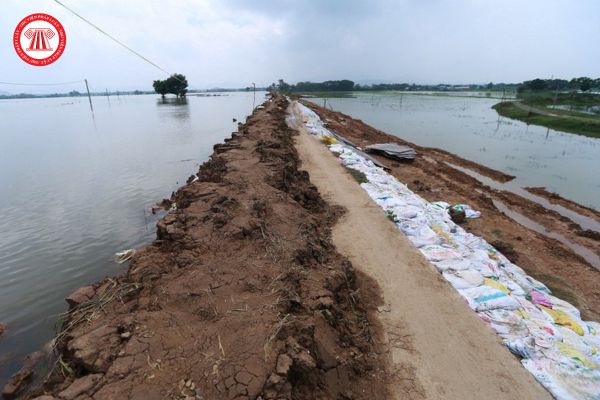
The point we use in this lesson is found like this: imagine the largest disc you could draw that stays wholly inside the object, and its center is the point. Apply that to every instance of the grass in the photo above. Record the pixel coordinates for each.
(580, 124)
(357, 175)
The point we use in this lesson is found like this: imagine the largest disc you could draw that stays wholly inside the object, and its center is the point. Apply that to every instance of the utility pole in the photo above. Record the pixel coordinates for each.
(89, 97)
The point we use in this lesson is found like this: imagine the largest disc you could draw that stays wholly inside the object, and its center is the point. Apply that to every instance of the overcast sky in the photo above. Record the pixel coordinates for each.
(231, 43)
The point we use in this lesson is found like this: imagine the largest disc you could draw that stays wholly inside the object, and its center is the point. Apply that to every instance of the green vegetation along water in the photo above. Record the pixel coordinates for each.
(566, 112)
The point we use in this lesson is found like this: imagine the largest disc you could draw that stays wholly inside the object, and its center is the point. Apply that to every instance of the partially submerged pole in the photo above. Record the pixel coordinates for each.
(89, 97)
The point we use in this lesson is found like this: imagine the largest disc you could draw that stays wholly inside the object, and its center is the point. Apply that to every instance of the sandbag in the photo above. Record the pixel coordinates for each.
(439, 253)
(562, 318)
(464, 279)
(539, 298)
(566, 381)
(485, 298)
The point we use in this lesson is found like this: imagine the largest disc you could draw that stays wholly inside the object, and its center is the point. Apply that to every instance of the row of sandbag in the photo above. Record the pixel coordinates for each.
(555, 344)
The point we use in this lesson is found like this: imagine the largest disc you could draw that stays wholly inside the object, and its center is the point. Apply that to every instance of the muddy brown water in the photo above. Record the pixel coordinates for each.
(76, 188)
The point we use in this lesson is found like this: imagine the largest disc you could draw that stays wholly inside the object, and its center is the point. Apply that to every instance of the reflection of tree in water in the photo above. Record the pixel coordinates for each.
(174, 114)
(172, 101)
(174, 107)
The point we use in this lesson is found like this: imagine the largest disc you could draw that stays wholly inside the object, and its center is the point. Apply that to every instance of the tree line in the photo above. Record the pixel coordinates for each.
(583, 83)
(346, 85)
(343, 85)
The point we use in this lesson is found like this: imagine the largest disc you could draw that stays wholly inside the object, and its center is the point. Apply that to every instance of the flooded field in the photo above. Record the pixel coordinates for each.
(78, 187)
(468, 127)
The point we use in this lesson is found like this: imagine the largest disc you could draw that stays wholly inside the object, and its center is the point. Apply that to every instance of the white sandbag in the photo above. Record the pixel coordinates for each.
(506, 323)
(558, 304)
(522, 347)
(407, 212)
(485, 298)
(564, 380)
(440, 253)
(421, 241)
(454, 265)
(464, 279)
(528, 283)
(514, 288)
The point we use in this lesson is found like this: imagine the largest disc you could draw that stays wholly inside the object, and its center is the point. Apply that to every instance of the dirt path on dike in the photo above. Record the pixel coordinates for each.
(439, 348)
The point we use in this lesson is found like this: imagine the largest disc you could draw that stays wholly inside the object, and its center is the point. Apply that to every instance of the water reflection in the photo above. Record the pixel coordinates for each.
(172, 101)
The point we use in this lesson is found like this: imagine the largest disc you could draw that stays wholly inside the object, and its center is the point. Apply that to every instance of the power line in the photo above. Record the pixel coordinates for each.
(41, 84)
(110, 37)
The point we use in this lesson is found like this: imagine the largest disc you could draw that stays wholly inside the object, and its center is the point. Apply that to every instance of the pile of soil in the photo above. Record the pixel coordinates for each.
(242, 295)
(567, 274)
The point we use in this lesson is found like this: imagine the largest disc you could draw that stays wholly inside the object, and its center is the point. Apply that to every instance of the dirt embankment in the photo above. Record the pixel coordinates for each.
(242, 295)
(565, 272)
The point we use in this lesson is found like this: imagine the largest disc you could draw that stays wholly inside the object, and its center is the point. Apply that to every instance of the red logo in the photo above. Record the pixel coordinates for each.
(39, 39)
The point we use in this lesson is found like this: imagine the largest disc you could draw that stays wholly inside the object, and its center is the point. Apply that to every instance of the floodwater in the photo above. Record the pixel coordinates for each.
(467, 126)
(77, 187)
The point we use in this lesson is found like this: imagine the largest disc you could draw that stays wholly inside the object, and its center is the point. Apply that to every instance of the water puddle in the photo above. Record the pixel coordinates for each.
(592, 258)
(513, 187)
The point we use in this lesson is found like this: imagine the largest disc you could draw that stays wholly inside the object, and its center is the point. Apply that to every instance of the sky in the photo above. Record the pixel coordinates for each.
(232, 43)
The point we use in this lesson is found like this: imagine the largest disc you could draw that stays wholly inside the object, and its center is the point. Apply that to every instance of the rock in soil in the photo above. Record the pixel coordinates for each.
(17, 383)
(81, 295)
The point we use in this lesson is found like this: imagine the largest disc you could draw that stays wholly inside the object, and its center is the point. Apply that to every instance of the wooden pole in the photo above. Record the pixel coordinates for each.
(89, 97)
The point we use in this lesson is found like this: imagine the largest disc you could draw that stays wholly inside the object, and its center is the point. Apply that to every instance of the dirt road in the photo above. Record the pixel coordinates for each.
(438, 346)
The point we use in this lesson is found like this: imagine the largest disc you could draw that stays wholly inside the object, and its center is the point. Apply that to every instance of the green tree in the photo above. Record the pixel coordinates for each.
(583, 83)
(283, 86)
(160, 87)
(537, 85)
(175, 84)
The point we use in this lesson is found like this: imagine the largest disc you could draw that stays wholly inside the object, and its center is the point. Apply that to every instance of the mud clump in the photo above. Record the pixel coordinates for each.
(241, 296)
(17, 383)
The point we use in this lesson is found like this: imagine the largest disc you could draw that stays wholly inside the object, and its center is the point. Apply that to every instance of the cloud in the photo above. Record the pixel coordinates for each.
(235, 42)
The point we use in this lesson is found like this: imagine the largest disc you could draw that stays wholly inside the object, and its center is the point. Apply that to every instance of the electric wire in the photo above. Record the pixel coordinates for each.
(110, 36)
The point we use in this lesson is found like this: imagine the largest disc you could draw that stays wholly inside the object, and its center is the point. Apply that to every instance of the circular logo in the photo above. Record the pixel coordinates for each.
(39, 39)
